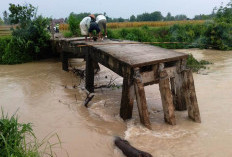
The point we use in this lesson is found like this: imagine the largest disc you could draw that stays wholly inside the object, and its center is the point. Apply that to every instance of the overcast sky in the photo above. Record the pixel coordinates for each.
(118, 8)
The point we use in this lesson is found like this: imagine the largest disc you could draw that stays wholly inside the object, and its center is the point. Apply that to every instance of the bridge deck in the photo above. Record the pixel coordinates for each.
(139, 65)
(134, 54)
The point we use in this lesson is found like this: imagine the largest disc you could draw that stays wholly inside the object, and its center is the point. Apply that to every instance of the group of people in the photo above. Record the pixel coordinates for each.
(90, 23)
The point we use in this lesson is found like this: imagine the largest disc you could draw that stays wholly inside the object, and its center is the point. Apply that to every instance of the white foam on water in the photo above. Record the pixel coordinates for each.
(98, 109)
(134, 130)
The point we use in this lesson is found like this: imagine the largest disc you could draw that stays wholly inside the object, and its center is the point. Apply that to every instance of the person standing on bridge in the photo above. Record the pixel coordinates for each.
(84, 26)
(101, 20)
(94, 26)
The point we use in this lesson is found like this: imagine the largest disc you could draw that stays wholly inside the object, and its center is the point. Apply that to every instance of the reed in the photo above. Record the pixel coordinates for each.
(18, 139)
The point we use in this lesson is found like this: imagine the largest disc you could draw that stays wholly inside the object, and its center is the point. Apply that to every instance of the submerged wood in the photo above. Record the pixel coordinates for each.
(129, 150)
(88, 99)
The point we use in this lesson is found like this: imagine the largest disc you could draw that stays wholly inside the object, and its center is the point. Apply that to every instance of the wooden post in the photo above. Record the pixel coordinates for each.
(141, 99)
(89, 78)
(180, 100)
(173, 89)
(190, 96)
(166, 96)
(64, 59)
(128, 95)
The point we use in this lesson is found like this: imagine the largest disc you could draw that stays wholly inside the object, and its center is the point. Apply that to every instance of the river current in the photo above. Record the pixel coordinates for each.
(52, 100)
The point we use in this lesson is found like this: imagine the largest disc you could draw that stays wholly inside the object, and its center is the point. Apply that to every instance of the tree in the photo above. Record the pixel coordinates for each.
(1, 21)
(132, 18)
(156, 16)
(6, 18)
(224, 14)
(22, 15)
(180, 17)
(169, 17)
(121, 19)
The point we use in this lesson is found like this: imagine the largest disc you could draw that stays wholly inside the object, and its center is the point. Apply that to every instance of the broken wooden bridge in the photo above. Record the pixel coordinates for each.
(140, 65)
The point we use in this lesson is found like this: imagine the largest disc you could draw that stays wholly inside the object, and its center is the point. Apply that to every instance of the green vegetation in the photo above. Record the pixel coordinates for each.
(195, 65)
(1, 21)
(67, 34)
(18, 139)
(30, 39)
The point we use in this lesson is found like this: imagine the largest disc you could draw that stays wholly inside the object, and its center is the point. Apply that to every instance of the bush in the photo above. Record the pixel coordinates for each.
(196, 65)
(16, 51)
(67, 34)
(3, 42)
(74, 24)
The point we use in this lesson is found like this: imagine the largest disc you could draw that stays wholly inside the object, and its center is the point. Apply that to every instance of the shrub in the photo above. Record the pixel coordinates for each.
(3, 42)
(16, 51)
(74, 24)
(196, 65)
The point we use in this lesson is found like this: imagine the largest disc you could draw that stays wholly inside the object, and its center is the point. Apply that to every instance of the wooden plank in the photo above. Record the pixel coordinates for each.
(128, 95)
(190, 96)
(136, 55)
(166, 97)
(141, 99)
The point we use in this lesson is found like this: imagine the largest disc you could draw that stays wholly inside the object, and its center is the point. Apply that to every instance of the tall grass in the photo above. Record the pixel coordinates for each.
(18, 139)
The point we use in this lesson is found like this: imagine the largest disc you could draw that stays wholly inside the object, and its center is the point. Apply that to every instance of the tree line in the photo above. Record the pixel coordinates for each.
(154, 16)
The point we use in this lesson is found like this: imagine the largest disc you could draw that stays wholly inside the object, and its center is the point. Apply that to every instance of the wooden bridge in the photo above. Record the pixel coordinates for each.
(139, 65)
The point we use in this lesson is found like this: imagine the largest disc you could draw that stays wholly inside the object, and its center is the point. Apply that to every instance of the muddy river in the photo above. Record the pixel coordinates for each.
(46, 96)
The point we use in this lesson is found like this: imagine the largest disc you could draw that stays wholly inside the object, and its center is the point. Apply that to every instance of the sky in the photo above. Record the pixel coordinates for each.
(118, 8)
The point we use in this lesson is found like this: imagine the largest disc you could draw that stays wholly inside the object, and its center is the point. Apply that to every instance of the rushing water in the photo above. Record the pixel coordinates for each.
(45, 95)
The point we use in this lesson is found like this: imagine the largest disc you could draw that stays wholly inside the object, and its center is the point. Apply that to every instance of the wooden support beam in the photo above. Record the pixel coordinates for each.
(173, 89)
(89, 79)
(128, 95)
(141, 99)
(166, 97)
(180, 100)
(190, 96)
(64, 59)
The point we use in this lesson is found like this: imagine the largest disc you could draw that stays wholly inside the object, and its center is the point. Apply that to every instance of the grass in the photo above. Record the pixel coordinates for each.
(18, 139)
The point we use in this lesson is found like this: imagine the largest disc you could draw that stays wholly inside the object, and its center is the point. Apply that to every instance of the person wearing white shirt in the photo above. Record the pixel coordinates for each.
(84, 26)
(101, 20)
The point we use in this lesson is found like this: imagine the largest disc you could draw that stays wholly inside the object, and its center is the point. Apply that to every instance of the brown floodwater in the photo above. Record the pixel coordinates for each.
(45, 95)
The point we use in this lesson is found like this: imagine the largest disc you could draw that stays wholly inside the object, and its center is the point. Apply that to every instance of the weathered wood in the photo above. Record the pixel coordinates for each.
(173, 89)
(88, 98)
(64, 59)
(141, 99)
(128, 95)
(190, 96)
(136, 55)
(89, 79)
(166, 97)
(129, 150)
(180, 100)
